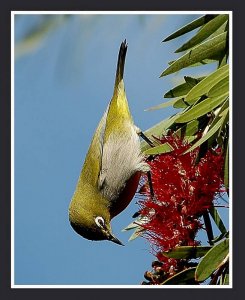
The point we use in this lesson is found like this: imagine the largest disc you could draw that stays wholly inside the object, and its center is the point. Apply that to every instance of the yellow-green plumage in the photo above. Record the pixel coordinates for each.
(111, 169)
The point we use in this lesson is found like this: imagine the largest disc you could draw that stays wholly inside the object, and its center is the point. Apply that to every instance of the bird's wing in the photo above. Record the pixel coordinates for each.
(121, 155)
(93, 161)
(114, 154)
(120, 160)
(93, 168)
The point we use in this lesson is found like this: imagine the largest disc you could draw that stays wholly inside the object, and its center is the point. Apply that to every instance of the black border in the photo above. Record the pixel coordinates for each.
(238, 147)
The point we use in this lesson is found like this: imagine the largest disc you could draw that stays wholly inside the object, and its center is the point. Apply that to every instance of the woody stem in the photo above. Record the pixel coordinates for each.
(208, 227)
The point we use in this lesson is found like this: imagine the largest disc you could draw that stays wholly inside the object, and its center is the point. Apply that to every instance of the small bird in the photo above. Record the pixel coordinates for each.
(112, 168)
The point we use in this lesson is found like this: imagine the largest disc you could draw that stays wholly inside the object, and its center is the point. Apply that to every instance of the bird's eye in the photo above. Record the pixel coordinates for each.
(99, 221)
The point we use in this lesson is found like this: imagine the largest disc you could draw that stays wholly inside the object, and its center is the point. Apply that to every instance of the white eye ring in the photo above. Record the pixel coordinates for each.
(99, 221)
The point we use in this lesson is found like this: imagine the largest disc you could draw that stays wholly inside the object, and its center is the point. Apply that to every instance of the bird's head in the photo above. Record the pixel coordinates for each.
(92, 223)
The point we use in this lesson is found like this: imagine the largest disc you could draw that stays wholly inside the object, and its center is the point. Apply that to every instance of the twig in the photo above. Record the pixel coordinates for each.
(208, 226)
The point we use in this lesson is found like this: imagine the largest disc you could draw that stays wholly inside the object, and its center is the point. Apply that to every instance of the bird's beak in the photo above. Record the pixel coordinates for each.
(115, 240)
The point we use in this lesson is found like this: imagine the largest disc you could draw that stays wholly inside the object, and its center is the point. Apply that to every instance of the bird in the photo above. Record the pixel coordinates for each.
(112, 168)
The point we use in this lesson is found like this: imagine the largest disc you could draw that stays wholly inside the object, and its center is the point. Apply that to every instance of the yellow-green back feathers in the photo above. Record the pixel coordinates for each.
(113, 159)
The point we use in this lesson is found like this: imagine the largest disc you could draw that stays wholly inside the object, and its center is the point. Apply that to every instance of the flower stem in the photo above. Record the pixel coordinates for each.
(208, 227)
(151, 185)
(146, 139)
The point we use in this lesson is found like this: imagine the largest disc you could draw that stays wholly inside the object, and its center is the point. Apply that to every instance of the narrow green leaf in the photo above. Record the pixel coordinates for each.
(180, 103)
(224, 112)
(187, 252)
(192, 127)
(224, 106)
(209, 134)
(130, 226)
(219, 136)
(183, 88)
(220, 237)
(207, 83)
(224, 59)
(182, 278)
(218, 221)
(226, 170)
(200, 63)
(178, 91)
(212, 260)
(189, 139)
(188, 129)
(137, 233)
(219, 88)
(171, 62)
(206, 31)
(159, 149)
(162, 105)
(191, 81)
(204, 62)
(221, 29)
(224, 56)
(225, 118)
(207, 49)
(136, 224)
(226, 279)
(158, 130)
(189, 27)
(221, 109)
(201, 109)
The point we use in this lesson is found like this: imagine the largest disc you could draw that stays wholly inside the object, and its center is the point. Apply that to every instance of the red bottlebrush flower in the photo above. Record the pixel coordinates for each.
(183, 191)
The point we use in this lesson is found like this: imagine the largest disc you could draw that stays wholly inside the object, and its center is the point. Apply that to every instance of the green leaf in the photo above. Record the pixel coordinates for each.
(224, 27)
(166, 147)
(218, 221)
(189, 139)
(226, 170)
(188, 129)
(221, 109)
(184, 277)
(189, 27)
(130, 226)
(223, 60)
(201, 109)
(191, 81)
(207, 49)
(187, 252)
(224, 109)
(158, 130)
(183, 88)
(204, 62)
(225, 118)
(180, 103)
(162, 105)
(171, 62)
(137, 233)
(212, 260)
(219, 88)
(220, 237)
(206, 31)
(178, 91)
(209, 134)
(191, 127)
(138, 229)
(136, 225)
(226, 280)
(207, 83)
(200, 63)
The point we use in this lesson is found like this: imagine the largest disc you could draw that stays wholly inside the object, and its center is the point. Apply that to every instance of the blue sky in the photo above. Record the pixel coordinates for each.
(64, 76)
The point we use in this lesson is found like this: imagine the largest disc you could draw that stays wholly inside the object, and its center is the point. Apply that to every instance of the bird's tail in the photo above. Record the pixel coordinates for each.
(121, 62)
